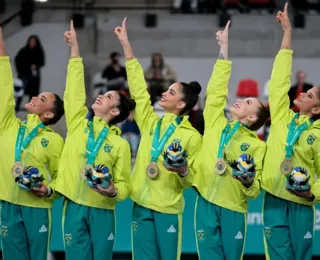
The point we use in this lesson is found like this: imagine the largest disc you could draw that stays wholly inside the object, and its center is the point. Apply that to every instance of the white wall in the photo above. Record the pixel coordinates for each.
(200, 69)
(57, 55)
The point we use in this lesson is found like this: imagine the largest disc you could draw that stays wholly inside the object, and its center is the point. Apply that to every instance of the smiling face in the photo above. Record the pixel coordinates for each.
(107, 104)
(309, 102)
(172, 99)
(41, 105)
(245, 110)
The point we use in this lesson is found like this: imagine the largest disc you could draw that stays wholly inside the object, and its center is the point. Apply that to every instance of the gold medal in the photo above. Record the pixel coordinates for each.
(286, 166)
(17, 169)
(87, 168)
(220, 166)
(152, 170)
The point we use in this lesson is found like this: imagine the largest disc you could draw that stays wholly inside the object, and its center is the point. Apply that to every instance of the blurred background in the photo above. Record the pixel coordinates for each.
(174, 40)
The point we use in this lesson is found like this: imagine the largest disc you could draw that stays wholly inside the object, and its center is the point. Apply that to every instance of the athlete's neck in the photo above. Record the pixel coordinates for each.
(306, 114)
(173, 111)
(106, 118)
(243, 121)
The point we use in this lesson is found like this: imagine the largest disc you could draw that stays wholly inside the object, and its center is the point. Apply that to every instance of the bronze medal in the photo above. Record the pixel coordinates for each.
(87, 168)
(152, 170)
(286, 166)
(17, 169)
(220, 166)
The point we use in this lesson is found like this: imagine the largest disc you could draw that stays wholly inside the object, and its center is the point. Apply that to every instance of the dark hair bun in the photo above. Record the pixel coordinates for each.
(131, 104)
(195, 87)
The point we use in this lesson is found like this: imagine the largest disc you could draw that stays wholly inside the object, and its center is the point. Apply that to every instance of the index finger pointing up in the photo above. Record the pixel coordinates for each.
(124, 23)
(227, 26)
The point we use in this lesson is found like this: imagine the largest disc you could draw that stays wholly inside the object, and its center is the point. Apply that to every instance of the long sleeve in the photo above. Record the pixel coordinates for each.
(56, 151)
(121, 172)
(279, 86)
(75, 94)
(255, 189)
(7, 104)
(217, 92)
(192, 151)
(138, 91)
(315, 189)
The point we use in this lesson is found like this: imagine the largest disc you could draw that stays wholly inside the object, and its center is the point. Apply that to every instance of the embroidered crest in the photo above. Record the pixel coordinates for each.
(244, 147)
(107, 148)
(311, 139)
(4, 231)
(68, 239)
(134, 226)
(44, 142)
(200, 235)
(267, 232)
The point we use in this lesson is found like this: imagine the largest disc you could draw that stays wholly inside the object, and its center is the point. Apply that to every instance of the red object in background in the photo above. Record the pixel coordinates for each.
(248, 88)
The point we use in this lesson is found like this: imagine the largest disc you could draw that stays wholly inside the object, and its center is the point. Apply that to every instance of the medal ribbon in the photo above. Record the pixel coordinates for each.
(21, 142)
(294, 133)
(158, 145)
(226, 136)
(93, 147)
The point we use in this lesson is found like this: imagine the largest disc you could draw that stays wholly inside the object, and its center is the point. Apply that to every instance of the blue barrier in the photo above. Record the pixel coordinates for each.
(254, 242)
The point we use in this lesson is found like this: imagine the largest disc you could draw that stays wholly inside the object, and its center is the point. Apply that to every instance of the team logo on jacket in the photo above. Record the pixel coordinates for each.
(267, 232)
(244, 147)
(4, 231)
(44, 142)
(68, 239)
(86, 130)
(107, 148)
(134, 226)
(311, 139)
(200, 235)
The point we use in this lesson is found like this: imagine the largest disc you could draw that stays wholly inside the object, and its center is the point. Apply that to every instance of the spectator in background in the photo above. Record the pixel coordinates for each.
(300, 86)
(115, 73)
(29, 60)
(131, 133)
(159, 76)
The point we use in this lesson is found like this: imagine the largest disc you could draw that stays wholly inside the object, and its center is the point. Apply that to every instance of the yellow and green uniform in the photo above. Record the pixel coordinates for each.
(159, 202)
(220, 212)
(25, 218)
(88, 216)
(288, 219)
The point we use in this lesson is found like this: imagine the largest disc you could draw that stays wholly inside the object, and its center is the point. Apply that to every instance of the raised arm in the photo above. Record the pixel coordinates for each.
(75, 94)
(7, 104)
(217, 89)
(280, 83)
(136, 81)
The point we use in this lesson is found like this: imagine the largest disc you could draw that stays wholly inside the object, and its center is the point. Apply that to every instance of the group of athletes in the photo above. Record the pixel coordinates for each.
(94, 144)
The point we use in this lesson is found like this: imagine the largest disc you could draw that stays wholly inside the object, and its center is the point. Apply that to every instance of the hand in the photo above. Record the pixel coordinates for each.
(121, 32)
(110, 191)
(222, 36)
(282, 17)
(308, 195)
(246, 180)
(181, 170)
(42, 191)
(70, 36)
